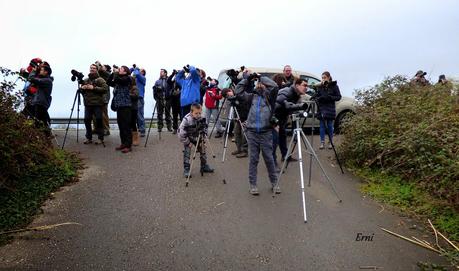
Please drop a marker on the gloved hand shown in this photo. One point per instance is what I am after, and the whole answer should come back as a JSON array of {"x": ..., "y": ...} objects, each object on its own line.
[{"x": 253, "y": 76}]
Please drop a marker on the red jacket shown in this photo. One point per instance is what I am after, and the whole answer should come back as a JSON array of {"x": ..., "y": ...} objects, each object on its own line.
[{"x": 212, "y": 98}]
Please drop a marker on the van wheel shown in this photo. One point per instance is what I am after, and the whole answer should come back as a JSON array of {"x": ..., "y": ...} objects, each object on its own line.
[{"x": 341, "y": 119}]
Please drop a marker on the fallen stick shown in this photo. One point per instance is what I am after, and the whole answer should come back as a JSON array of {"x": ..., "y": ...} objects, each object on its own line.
[
  {"x": 447, "y": 240},
  {"x": 40, "y": 228},
  {"x": 412, "y": 241}
]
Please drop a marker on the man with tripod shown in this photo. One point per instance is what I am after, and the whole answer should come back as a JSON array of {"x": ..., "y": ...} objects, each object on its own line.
[
  {"x": 261, "y": 91},
  {"x": 285, "y": 99},
  {"x": 161, "y": 93},
  {"x": 93, "y": 89}
]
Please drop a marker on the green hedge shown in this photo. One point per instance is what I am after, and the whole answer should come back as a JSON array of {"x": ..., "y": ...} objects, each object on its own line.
[{"x": 410, "y": 132}]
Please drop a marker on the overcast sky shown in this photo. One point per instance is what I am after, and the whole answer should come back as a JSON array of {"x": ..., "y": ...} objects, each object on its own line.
[{"x": 359, "y": 42}]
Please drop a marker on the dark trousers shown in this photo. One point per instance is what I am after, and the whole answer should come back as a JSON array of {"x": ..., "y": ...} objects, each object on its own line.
[
  {"x": 164, "y": 108},
  {"x": 283, "y": 139},
  {"x": 105, "y": 120},
  {"x": 261, "y": 142},
  {"x": 123, "y": 117},
  {"x": 42, "y": 120},
  {"x": 134, "y": 119},
  {"x": 175, "y": 106},
  {"x": 239, "y": 137},
  {"x": 95, "y": 111},
  {"x": 184, "y": 110}
]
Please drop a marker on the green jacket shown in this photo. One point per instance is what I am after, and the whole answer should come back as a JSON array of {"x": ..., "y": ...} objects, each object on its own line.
[{"x": 94, "y": 96}]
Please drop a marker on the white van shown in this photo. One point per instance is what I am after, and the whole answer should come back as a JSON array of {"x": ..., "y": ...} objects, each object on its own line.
[{"x": 344, "y": 107}]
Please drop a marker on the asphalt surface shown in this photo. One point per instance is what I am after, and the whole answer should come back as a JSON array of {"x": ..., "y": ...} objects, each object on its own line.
[{"x": 137, "y": 214}]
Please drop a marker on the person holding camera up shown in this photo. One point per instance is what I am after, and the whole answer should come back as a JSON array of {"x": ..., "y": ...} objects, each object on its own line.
[
  {"x": 41, "y": 100},
  {"x": 327, "y": 93},
  {"x": 286, "y": 102},
  {"x": 261, "y": 91},
  {"x": 191, "y": 127},
  {"x": 190, "y": 81},
  {"x": 134, "y": 93},
  {"x": 161, "y": 93},
  {"x": 93, "y": 89},
  {"x": 212, "y": 98},
  {"x": 174, "y": 100},
  {"x": 140, "y": 80},
  {"x": 104, "y": 72},
  {"x": 121, "y": 104}
]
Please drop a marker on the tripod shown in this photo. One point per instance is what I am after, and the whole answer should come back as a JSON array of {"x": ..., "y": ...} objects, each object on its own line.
[
  {"x": 233, "y": 110},
  {"x": 218, "y": 117},
  {"x": 301, "y": 138},
  {"x": 202, "y": 139},
  {"x": 77, "y": 98},
  {"x": 149, "y": 126}
]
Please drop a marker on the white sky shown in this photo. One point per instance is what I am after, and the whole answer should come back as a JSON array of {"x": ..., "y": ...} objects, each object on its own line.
[{"x": 359, "y": 42}]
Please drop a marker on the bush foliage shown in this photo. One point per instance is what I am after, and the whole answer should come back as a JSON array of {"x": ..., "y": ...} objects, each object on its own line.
[
  {"x": 408, "y": 131},
  {"x": 30, "y": 167}
]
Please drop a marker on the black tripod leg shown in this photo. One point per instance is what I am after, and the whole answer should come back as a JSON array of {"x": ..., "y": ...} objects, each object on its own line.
[
  {"x": 70, "y": 119},
  {"x": 217, "y": 118},
  {"x": 149, "y": 126},
  {"x": 333, "y": 145}
]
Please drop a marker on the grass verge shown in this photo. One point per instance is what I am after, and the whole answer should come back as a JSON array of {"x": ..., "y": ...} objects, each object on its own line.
[{"x": 18, "y": 206}]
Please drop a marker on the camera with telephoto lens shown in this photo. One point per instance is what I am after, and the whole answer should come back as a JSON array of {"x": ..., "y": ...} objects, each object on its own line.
[
  {"x": 194, "y": 130},
  {"x": 77, "y": 75}
]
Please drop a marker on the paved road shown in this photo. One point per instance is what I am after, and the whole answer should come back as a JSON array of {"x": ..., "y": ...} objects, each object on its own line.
[{"x": 137, "y": 215}]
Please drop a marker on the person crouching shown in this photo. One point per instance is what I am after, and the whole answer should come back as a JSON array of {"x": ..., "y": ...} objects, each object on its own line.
[{"x": 192, "y": 126}]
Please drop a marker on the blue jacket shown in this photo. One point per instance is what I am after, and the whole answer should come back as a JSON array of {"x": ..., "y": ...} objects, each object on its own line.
[
  {"x": 190, "y": 86},
  {"x": 140, "y": 81}
]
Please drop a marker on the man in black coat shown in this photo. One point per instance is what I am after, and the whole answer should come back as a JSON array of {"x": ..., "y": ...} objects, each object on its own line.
[{"x": 286, "y": 101}]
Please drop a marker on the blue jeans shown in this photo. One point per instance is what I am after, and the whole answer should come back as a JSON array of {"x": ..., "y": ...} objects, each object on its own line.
[
  {"x": 275, "y": 143},
  {"x": 329, "y": 124},
  {"x": 140, "y": 116}
]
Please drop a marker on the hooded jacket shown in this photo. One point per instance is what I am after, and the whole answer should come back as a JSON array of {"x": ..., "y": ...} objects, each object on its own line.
[
  {"x": 44, "y": 88},
  {"x": 140, "y": 81},
  {"x": 183, "y": 134},
  {"x": 190, "y": 86},
  {"x": 95, "y": 96},
  {"x": 212, "y": 97},
  {"x": 285, "y": 95},
  {"x": 262, "y": 104},
  {"x": 326, "y": 97},
  {"x": 121, "y": 91}
]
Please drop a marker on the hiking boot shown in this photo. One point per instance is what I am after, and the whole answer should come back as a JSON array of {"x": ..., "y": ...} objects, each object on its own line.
[
  {"x": 236, "y": 152},
  {"x": 135, "y": 138},
  {"x": 242, "y": 154},
  {"x": 276, "y": 189},
  {"x": 218, "y": 135},
  {"x": 322, "y": 145},
  {"x": 330, "y": 146},
  {"x": 120, "y": 147},
  {"x": 87, "y": 141},
  {"x": 254, "y": 190},
  {"x": 207, "y": 169},
  {"x": 186, "y": 173},
  {"x": 174, "y": 132},
  {"x": 169, "y": 129},
  {"x": 126, "y": 150}
]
